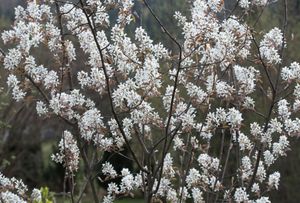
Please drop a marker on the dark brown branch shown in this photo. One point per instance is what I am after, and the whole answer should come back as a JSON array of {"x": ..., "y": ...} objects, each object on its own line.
[
  {"x": 161, "y": 164},
  {"x": 109, "y": 90},
  {"x": 264, "y": 65}
]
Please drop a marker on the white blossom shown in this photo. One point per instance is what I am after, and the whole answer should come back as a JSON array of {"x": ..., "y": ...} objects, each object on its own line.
[
  {"x": 291, "y": 73},
  {"x": 246, "y": 168},
  {"x": 255, "y": 129},
  {"x": 240, "y": 195},
  {"x": 244, "y": 4},
  {"x": 248, "y": 103},
  {"x": 196, "y": 92},
  {"x": 9, "y": 197},
  {"x": 263, "y": 200},
  {"x": 270, "y": 45},
  {"x": 193, "y": 177},
  {"x": 223, "y": 89},
  {"x": 197, "y": 195},
  {"x": 68, "y": 153},
  {"x": 247, "y": 78},
  {"x": 178, "y": 143},
  {"x": 273, "y": 180},
  {"x": 261, "y": 172},
  {"x": 255, "y": 188},
  {"x": 280, "y": 148},
  {"x": 283, "y": 109},
  {"x": 70, "y": 51},
  {"x": 244, "y": 142},
  {"x": 41, "y": 108},
  {"x": 36, "y": 195},
  {"x": 168, "y": 166},
  {"x": 108, "y": 199},
  {"x": 127, "y": 182},
  {"x": 126, "y": 95},
  {"x": 234, "y": 117},
  {"x": 12, "y": 59},
  {"x": 108, "y": 169},
  {"x": 91, "y": 124},
  {"x": 269, "y": 158}
]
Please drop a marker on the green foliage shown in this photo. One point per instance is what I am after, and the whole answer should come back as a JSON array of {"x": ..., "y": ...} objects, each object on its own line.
[{"x": 47, "y": 197}]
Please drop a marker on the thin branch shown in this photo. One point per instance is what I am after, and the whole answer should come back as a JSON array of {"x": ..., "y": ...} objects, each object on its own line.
[
  {"x": 165, "y": 30},
  {"x": 264, "y": 65},
  {"x": 109, "y": 90},
  {"x": 225, "y": 165}
]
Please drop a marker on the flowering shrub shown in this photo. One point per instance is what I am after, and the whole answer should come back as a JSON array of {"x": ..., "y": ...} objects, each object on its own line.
[
  {"x": 181, "y": 113},
  {"x": 13, "y": 190}
]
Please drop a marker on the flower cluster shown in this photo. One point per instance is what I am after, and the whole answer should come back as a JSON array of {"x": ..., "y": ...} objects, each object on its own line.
[
  {"x": 13, "y": 190},
  {"x": 68, "y": 153},
  {"x": 270, "y": 45}
]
